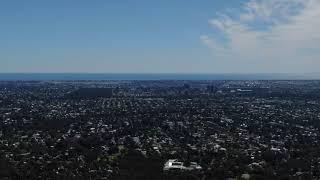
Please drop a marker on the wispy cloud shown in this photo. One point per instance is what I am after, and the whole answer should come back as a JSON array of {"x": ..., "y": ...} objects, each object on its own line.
[{"x": 276, "y": 35}]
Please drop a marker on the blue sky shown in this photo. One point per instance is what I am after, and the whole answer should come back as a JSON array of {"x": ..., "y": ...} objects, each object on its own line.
[{"x": 167, "y": 36}]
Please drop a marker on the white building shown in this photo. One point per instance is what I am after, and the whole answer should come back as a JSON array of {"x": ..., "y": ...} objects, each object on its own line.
[{"x": 174, "y": 164}]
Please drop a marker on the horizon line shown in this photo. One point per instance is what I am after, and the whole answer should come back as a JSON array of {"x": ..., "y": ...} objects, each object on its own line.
[{"x": 177, "y": 73}]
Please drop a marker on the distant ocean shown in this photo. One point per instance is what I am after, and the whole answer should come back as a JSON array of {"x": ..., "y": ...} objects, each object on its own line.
[{"x": 131, "y": 76}]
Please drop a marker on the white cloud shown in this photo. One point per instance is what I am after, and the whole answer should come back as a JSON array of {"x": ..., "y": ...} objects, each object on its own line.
[
  {"x": 219, "y": 50},
  {"x": 269, "y": 36}
]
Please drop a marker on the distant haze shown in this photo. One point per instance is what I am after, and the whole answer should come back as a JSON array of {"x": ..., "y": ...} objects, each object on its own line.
[{"x": 116, "y": 76}]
